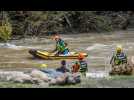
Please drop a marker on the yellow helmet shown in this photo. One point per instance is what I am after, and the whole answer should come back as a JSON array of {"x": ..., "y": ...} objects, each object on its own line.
[
  {"x": 119, "y": 48},
  {"x": 43, "y": 66}
]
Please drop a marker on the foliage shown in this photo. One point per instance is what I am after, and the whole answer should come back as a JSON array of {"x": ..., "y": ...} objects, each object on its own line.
[
  {"x": 38, "y": 23},
  {"x": 5, "y": 29}
]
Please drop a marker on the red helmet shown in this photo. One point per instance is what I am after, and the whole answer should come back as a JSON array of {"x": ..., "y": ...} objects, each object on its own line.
[{"x": 81, "y": 56}]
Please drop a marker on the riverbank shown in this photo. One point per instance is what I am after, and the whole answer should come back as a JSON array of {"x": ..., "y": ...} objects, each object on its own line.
[{"x": 113, "y": 82}]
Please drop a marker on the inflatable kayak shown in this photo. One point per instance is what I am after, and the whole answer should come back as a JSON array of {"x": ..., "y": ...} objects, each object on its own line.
[{"x": 46, "y": 55}]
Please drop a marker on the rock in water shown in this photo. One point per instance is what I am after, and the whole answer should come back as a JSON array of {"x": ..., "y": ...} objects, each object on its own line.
[
  {"x": 40, "y": 75},
  {"x": 15, "y": 76},
  {"x": 73, "y": 78},
  {"x": 53, "y": 82},
  {"x": 61, "y": 80},
  {"x": 123, "y": 69},
  {"x": 132, "y": 60}
]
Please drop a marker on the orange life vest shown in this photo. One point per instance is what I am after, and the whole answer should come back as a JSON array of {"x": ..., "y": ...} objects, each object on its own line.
[{"x": 75, "y": 68}]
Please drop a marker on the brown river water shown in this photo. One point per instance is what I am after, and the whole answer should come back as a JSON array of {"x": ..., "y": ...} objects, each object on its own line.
[{"x": 99, "y": 46}]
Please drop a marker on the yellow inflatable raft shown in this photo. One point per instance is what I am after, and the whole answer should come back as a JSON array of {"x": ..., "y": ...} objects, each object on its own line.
[{"x": 46, "y": 55}]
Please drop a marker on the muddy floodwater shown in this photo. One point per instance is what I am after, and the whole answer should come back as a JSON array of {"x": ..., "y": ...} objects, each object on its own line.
[{"x": 99, "y": 46}]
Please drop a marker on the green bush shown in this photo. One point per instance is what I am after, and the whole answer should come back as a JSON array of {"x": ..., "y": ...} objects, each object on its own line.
[
  {"x": 38, "y": 23},
  {"x": 87, "y": 21},
  {"x": 5, "y": 32}
]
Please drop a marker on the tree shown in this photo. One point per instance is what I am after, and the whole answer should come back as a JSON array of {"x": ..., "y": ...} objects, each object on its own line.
[{"x": 5, "y": 27}]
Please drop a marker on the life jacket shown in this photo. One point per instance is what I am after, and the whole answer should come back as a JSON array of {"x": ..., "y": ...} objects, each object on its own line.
[
  {"x": 83, "y": 66},
  {"x": 60, "y": 45},
  {"x": 120, "y": 58},
  {"x": 75, "y": 68}
]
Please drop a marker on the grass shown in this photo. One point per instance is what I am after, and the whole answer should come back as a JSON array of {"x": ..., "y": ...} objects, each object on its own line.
[
  {"x": 109, "y": 82},
  {"x": 112, "y": 82},
  {"x": 123, "y": 77},
  {"x": 14, "y": 85}
]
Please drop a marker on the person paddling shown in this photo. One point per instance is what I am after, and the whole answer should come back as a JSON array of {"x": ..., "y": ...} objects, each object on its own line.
[{"x": 61, "y": 46}]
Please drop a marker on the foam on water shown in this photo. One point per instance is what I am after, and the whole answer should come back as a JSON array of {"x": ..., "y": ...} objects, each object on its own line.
[
  {"x": 98, "y": 74},
  {"x": 96, "y": 57},
  {"x": 132, "y": 59},
  {"x": 96, "y": 46},
  {"x": 111, "y": 47},
  {"x": 12, "y": 46}
]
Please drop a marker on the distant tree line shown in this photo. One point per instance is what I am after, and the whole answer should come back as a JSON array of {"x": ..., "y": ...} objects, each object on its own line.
[{"x": 39, "y": 23}]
